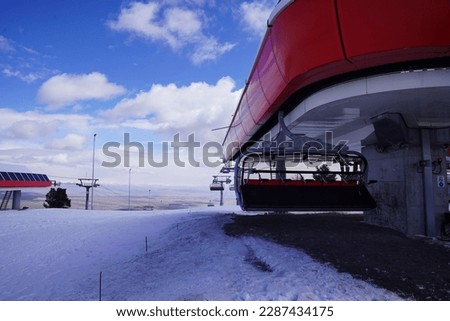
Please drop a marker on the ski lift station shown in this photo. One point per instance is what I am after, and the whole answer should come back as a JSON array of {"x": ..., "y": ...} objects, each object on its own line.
[
  {"x": 347, "y": 107},
  {"x": 14, "y": 179}
]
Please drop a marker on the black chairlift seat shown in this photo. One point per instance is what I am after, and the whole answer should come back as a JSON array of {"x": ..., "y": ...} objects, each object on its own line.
[
  {"x": 278, "y": 195},
  {"x": 218, "y": 181},
  {"x": 265, "y": 186},
  {"x": 215, "y": 186}
]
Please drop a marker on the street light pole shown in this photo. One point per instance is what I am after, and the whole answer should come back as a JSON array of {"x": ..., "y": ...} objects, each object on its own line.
[
  {"x": 93, "y": 166},
  {"x": 149, "y": 197},
  {"x": 129, "y": 189}
]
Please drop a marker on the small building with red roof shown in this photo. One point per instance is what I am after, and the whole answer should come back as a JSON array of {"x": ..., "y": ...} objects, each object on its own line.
[{"x": 14, "y": 179}]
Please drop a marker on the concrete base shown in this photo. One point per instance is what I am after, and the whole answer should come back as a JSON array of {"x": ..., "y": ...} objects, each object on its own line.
[{"x": 400, "y": 191}]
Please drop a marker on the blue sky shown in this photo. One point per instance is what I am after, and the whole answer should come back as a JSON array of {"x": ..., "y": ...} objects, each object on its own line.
[{"x": 151, "y": 69}]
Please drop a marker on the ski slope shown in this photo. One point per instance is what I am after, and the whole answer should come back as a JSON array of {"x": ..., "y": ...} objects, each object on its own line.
[{"x": 52, "y": 254}]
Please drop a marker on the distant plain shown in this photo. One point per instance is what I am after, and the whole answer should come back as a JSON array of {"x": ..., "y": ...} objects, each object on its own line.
[{"x": 139, "y": 198}]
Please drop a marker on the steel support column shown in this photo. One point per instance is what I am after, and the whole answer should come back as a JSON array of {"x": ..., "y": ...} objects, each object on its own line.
[{"x": 17, "y": 195}]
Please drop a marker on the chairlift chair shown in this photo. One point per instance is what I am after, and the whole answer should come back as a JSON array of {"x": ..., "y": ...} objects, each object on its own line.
[
  {"x": 216, "y": 186},
  {"x": 293, "y": 180}
]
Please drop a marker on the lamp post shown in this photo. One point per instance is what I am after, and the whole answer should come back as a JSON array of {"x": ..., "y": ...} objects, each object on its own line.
[
  {"x": 93, "y": 166},
  {"x": 129, "y": 189},
  {"x": 149, "y": 198}
]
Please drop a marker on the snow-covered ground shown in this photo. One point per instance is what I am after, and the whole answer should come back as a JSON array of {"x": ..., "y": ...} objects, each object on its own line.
[{"x": 59, "y": 254}]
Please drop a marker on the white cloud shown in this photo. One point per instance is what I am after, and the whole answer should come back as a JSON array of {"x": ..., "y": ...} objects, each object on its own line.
[
  {"x": 196, "y": 108},
  {"x": 60, "y": 158},
  {"x": 23, "y": 63},
  {"x": 183, "y": 23},
  {"x": 140, "y": 18},
  {"x": 5, "y": 45},
  {"x": 29, "y": 129},
  {"x": 35, "y": 125},
  {"x": 178, "y": 27},
  {"x": 209, "y": 50},
  {"x": 66, "y": 89},
  {"x": 28, "y": 78},
  {"x": 69, "y": 142},
  {"x": 255, "y": 15}
]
